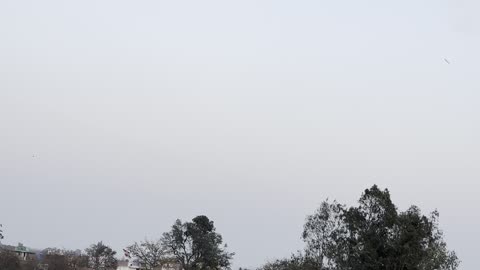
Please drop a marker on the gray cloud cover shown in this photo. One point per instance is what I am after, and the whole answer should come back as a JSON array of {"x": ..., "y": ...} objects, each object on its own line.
[{"x": 117, "y": 117}]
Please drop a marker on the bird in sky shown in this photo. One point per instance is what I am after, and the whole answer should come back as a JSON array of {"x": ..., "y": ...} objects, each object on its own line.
[{"x": 446, "y": 61}]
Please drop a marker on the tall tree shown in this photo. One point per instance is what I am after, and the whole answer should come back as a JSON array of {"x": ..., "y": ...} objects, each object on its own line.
[
  {"x": 375, "y": 236},
  {"x": 319, "y": 233},
  {"x": 370, "y": 228},
  {"x": 101, "y": 257},
  {"x": 150, "y": 254},
  {"x": 196, "y": 245},
  {"x": 1, "y": 232}
]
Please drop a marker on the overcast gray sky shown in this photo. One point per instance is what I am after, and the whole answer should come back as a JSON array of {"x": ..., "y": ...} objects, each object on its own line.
[{"x": 117, "y": 117}]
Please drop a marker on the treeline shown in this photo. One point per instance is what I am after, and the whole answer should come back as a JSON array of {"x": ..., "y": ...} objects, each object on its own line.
[
  {"x": 373, "y": 235},
  {"x": 188, "y": 245}
]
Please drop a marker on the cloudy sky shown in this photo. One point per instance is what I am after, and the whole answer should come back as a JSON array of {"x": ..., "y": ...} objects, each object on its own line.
[{"x": 118, "y": 117}]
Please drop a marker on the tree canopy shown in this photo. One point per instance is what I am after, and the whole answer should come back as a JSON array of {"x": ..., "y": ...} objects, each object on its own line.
[
  {"x": 375, "y": 236},
  {"x": 150, "y": 254},
  {"x": 101, "y": 257},
  {"x": 196, "y": 245}
]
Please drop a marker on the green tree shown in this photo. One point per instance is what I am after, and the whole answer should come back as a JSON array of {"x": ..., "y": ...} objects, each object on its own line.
[
  {"x": 319, "y": 233},
  {"x": 196, "y": 245},
  {"x": 375, "y": 236},
  {"x": 370, "y": 227},
  {"x": 101, "y": 257},
  {"x": 150, "y": 254}
]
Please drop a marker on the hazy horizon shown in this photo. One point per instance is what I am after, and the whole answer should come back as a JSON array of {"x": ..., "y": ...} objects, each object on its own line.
[{"x": 118, "y": 117}]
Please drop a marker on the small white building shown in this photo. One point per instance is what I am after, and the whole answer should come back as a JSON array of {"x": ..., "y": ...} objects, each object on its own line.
[{"x": 129, "y": 265}]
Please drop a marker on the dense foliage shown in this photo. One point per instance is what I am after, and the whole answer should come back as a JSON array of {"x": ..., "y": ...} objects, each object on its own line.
[
  {"x": 196, "y": 245},
  {"x": 375, "y": 236},
  {"x": 101, "y": 257}
]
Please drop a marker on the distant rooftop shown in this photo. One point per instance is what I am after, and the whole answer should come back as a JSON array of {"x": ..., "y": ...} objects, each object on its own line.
[{"x": 19, "y": 248}]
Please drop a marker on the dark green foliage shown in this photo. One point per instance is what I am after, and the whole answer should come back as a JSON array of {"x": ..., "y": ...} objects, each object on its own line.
[
  {"x": 9, "y": 260},
  {"x": 101, "y": 257},
  {"x": 196, "y": 245},
  {"x": 375, "y": 236},
  {"x": 370, "y": 227}
]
